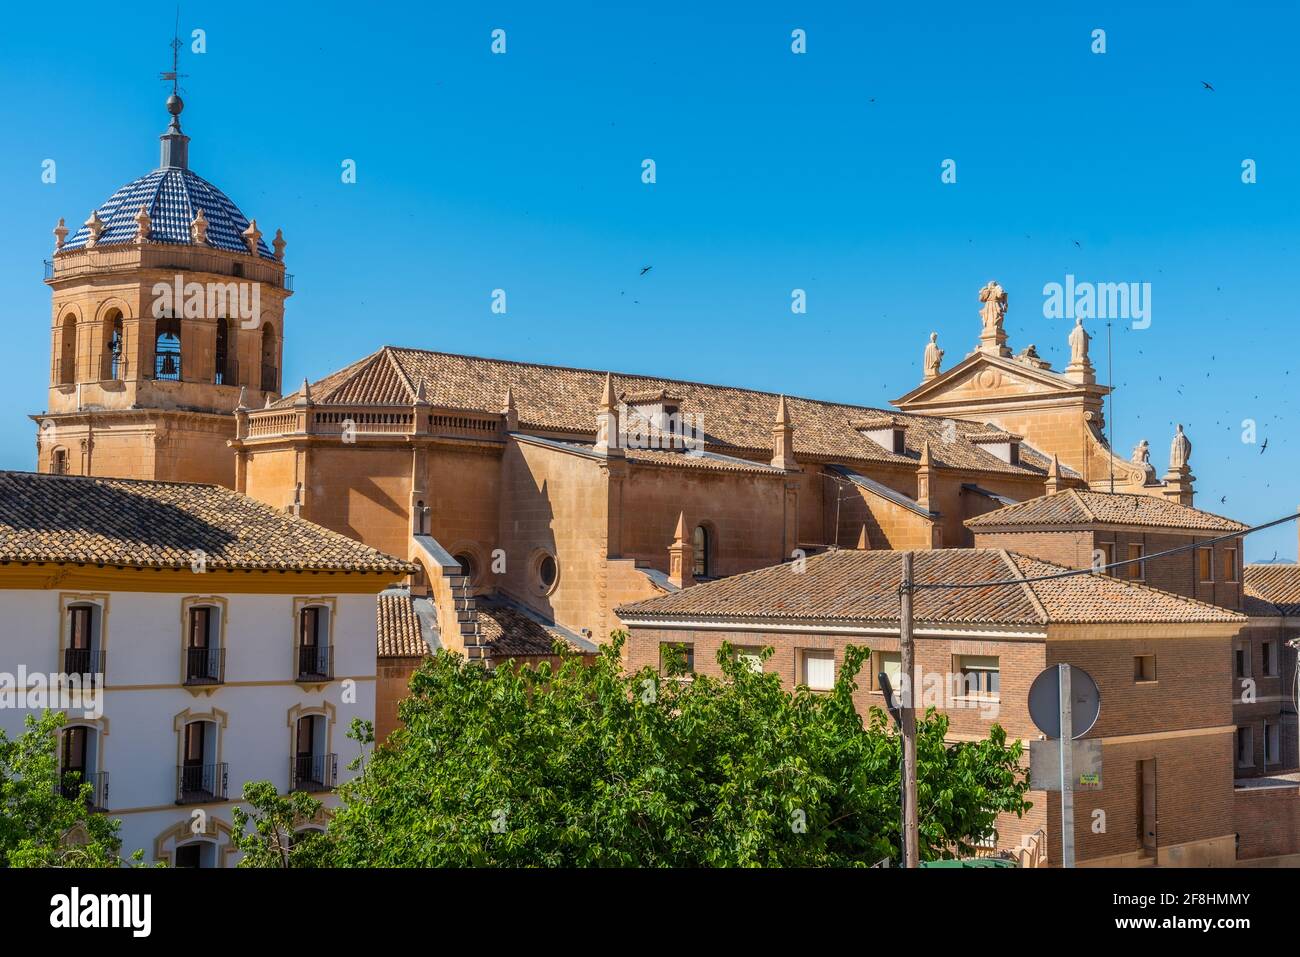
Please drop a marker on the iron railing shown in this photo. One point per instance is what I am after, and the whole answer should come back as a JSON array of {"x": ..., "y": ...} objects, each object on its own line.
[
  {"x": 71, "y": 780},
  {"x": 198, "y": 783},
  {"x": 313, "y": 772},
  {"x": 205, "y": 666},
  {"x": 88, "y": 663},
  {"x": 315, "y": 662}
]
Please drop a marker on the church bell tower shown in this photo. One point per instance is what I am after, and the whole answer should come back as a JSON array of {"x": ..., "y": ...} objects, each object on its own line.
[{"x": 167, "y": 314}]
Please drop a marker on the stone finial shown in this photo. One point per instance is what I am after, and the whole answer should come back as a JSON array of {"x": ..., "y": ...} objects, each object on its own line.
[
  {"x": 278, "y": 245},
  {"x": 681, "y": 556},
  {"x": 242, "y": 404},
  {"x": 924, "y": 476},
  {"x": 267, "y": 404},
  {"x": 1054, "y": 481},
  {"x": 1080, "y": 368},
  {"x": 252, "y": 236},
  {"x": 143, "y": 224},
  {"x": 304, "y": 394},
  {"x": 96, "y": 227},
  {"x": 509, "y": 410},
  {"x": 1179, "y": 479},
  {"x": 60, "y": 235},
  {"x": 993, "y": 339},
  {"x": 933, "y": 357},
  {"x": 608, "y": 440},
  {"x": 421, "y": 397},
  {"x": 199, "y": 228},
  {"x": 864, "y": 543},
  {"x": 783, "y": 439}
]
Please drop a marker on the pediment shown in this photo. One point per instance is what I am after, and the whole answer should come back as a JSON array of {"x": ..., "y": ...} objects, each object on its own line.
[{"x": 981, "y": 376}]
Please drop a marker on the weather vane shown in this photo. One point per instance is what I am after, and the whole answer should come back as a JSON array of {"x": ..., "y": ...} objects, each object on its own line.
[{"x": 172, "y": 75}]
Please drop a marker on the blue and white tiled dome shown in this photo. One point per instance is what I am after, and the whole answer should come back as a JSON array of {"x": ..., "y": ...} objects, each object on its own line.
[{"x": 171, "y": 196}]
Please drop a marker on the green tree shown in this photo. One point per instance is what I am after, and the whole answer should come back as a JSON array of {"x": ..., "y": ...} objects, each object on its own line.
[
  {"x": 583, "y": 765},
  {"x": 39, "y": 826}
]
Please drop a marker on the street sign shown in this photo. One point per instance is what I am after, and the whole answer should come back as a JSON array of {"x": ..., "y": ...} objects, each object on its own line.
[
  {"x": 1045, "y": 701},
  {"x": 1045, "y": 765}
]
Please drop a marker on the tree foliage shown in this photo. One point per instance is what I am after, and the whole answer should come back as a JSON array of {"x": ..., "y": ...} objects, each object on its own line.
[
  {"x": 587, "y": 765},
  {"x": 39, "y": 826}
]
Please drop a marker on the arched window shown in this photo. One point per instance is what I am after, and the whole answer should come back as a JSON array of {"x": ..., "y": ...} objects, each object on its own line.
[
  {"x": 79, "y": 765},
  {"x": 201, "y": 777},
  {"x": 59, "y": 462},
  {"x": 468, "y": 567},
  {"x": 167, "y": 350},
  {"x": 223, "y": 374},
  {"x": 270, "y": 360},
  {"x": 67, "y": 369},
  {"x": 700, "y": 543},
  {"x": 113, "y": 361}
]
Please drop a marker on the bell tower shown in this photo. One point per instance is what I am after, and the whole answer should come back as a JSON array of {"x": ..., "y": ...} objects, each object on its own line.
[{"x": 167, "y": 314}]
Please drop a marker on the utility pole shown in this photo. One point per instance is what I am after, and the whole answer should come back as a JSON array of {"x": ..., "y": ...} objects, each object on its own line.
[{"x": 907, "y": 715}]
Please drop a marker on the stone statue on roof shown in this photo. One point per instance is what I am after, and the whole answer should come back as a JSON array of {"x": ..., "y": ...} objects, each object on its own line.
[
  {"x": 1180, "y": 450},
  {"x": 1079, "y": 344},
  {"x": 1142, "y": 456},
  {"x": 933, "y": 356},
  {"x": 994, "y": 298}
]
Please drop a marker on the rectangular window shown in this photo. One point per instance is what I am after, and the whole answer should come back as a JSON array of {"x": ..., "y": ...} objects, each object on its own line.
[
  {"x": 979, "y": 674},
  {"x": 1136, "y": 571},
  {"x": 751, "y": 656},
  {"x": 674, "y": 654},
  {"x": 1245, "y": 748},
  {"x": 79, "y": 633},
  {"x": 1229, "y": 564},
  {"x": 1268, "y": 664},
  {"x": 819, "y": 670},
  {"x": 891, "y": 663},
  {"x": 1144, "y": 667},
  {"x": 1272, "y": 743},
  {"x": 1205, "y": 564},
  {"x": 1241, "y": 660},
  {"x": 200, "y": 624},
  {"x": 1107, "y": 550}
]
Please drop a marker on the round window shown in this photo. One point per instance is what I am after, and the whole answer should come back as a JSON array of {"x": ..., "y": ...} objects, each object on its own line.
[
  {"x": 467, "y": 566},
  {"x": 547, "y": 572}
]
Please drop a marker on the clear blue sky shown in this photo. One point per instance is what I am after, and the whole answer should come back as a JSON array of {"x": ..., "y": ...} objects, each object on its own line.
[{"x": 775, "y": 171}]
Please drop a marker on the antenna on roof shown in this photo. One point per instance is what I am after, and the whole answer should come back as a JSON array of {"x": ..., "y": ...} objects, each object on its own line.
[{"x": 172, "y": 75}]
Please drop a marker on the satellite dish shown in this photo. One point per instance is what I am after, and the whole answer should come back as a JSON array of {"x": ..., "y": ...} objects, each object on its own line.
[{"x": 1045, "y": 701}]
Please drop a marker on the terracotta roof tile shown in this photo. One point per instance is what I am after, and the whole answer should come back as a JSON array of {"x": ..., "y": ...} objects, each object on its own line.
[
  {"x": 102, "y": 521},
  {"x": 397, "y": 632},
  {"x": 514, "y": 633},
  {"x": 851, "y": 585},
  {"x": 562, "y": 399},
  {"x": 1275, "y": 588},
  {"x": 1084, "y": 507}
]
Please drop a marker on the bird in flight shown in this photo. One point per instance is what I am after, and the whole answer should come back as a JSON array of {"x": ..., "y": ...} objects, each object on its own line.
[
  {"x": 1263, "y": 447},
  {"x": 1207, "y": 86},
  {"x": 646, "y": 269}
]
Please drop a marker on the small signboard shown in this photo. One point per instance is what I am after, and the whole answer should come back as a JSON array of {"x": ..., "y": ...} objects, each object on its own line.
[{"x": 1045, "y": 765}]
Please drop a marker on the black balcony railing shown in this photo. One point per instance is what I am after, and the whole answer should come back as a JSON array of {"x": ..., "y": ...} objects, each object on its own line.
[
  {"x": 71, "y": 780},
  {"x": 315, "y": 662},
  {"x": 49, "y": 269},
  {"x": 86, "y": 662},
  {"x": 197, "y": 783},
  {"x": 313, "y": 772},
  {"x": 205, "y": 666}
]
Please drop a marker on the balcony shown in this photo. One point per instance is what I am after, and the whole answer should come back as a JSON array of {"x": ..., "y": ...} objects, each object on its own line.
[
  {"x": 205, "y": 666},
  {"x": 315, "y": 663},
  {"x": 313, "y": 772},
  {"x": 71, "y": 781},
  {"x": 200, "y": 783},
  {"x": 86, "y": 662}
]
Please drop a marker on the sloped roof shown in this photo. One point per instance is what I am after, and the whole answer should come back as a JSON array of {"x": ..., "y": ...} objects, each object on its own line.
[
  {"x": 1083, "y": 507},
  {"x": 171, "y": 196},
  {"x": 1275, "y": 587},
  {"x": 862, "y": 586},
  {"x": 397, "y": 626},
  {"x": 513, "y": 632},
  {"x": 562, "y": 399},
  {"x": 138, "y": 524}
]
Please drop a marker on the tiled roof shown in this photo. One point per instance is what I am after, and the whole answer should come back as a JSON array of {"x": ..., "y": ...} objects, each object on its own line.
[
  {"x": 1083, "y": 507},
  {"x": 862, "y": 586},
  {"x": 561, "y": 399},
  {"x": 1275, "y": 586},
  {"x": 103, "y": 521},
  {"x": 171, "y": 196},
  {"x": 397, "y": 631},
  {"x": 513, "y": 632}
]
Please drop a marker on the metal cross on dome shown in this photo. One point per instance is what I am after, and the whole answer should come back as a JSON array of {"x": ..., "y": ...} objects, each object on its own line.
[{"x": 172, "y": 75}]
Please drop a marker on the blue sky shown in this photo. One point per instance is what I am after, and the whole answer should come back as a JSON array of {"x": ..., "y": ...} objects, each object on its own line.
[{"x": 774, "y": 172}]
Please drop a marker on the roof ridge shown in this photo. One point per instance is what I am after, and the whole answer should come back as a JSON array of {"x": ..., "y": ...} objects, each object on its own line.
[
  {"x": 1027, "y": 587},
  {"x": 1092, "y": 516},
  {"x": 401, "y": 373}
]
